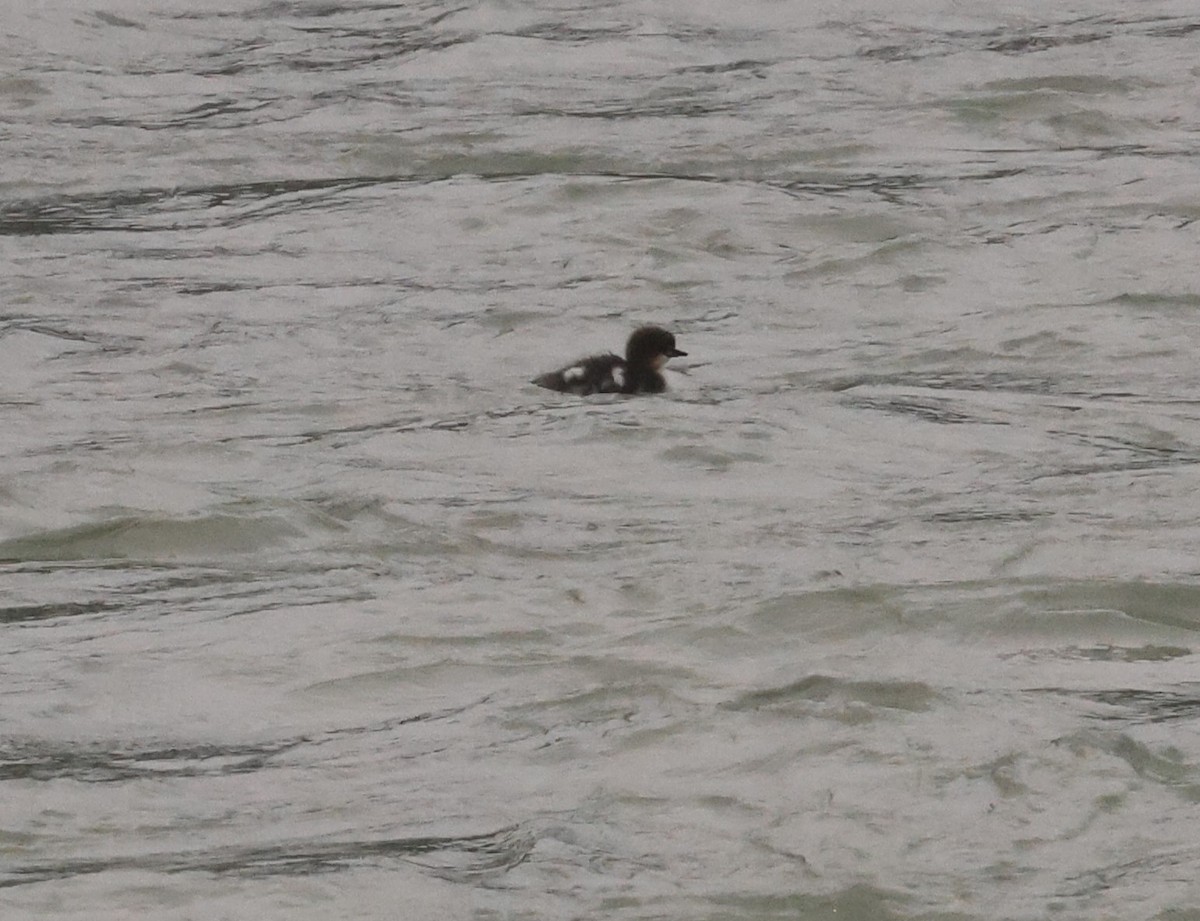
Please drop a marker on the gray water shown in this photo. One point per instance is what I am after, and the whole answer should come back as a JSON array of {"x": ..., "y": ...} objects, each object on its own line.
[{"x": 313, "y": 607}]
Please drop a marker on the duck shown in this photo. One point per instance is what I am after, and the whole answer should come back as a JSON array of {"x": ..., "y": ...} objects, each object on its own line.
[{"x": 646, "y": 353}]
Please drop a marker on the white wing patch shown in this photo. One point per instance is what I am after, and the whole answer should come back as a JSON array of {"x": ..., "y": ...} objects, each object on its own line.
[
  {"x": 572, "y": 374},
  {"x": 618, "y": 376}
]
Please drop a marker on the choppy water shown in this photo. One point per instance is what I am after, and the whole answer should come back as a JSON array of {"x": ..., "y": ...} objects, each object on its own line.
[{"x": 313, "y": 608}]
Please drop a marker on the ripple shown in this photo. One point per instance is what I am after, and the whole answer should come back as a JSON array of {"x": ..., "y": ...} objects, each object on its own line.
[
  {"x": 461, "y": 858},
  {"x": 822, "y": 689}
]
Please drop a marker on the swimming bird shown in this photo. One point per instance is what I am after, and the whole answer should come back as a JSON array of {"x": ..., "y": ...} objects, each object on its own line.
[{"x": 647, "y": 351}]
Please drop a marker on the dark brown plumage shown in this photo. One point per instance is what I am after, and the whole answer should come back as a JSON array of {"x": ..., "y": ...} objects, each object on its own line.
[{"x": 648, "y": 349}]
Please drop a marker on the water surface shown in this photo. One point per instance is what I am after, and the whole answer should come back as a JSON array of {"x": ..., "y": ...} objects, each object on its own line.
[{"x": 314, "y": 608}]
